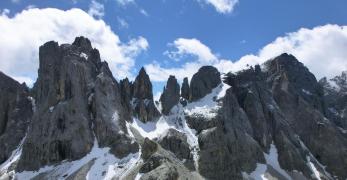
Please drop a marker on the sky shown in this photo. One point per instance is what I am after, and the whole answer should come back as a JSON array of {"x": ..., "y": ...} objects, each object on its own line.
[{"x": 177, "y": 37}]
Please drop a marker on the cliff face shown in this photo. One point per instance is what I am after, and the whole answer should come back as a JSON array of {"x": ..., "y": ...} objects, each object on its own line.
[
  {"x": 15, "y": 114},
  {"x": 274, "y": 121},
  {"x": 77, "y": 102}
]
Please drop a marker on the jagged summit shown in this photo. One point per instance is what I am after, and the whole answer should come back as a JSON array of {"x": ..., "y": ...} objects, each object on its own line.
[
  {"x": 142, "y": 98},
  {"x": 273, "y": 121},
  {"x": 143, "y": 85},
  {"x": 170, "y": 95},
  {"x": 83, "y": 43}
]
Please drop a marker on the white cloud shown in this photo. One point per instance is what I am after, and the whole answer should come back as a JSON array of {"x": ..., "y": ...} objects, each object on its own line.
[
  {"x": 191, "y": 47},
  {"x": 222, "y": 6},
  {"x": 4, "y": 12},
  {"x": 322, "y": 49},
  {"x": 21, "y": 36},
  {"x": 125, "y": 2},
  {"x": 122, "y": 23},
  {"x": 96, "y": 9},
  {"x": 144, "y": 12}
]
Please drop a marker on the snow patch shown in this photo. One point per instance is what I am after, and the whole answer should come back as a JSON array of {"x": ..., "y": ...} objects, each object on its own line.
[
  {"x": 257, "y": 174},
  {"x": 115, "y": 118},
  {"x": 313, "y": 168},
  {"x": 33, "y": 103},
  {"x": 151, "y": 129},
  {"x": 15, "y": 155},
  {"x": 344, "y": 131},
  {"x": 84, "y": 55},
  {"x": 51, "y": 109},
  {"x": 307, "y": 92},
  {"x": 138, "y": 176},
  {"x": 208, "y": 105},
  {"x": 309, "y": 159},
  {"x": 106, "y": 165},
  {"x": 272, "y": 160}
]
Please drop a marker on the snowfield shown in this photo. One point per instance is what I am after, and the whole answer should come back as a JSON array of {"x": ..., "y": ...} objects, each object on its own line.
[
  {"x": 104, "y": 165},
  {"x": 261, "y": 169}
]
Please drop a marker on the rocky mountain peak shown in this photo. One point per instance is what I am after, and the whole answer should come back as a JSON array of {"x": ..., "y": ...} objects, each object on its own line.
[
  {"x": 83, "y": 43},
  {"x": 142, "y": 102},
  {"x": 171, "y": 95},
  {"x": 76, "y": 98},
  {"x": 185, "y": 89},
  {"x": 143, "y": 86},
  {"x": 202, "y": 82},
  {"x": 296, "y": 78},
  {"x": 272, "y": 122}
]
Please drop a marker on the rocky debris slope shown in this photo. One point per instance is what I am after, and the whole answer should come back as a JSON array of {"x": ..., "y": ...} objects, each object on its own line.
[
  {"x": 16, "y": 110},
  {"x": 157, "y": 162},
  {"x": 77, "y": 100}
]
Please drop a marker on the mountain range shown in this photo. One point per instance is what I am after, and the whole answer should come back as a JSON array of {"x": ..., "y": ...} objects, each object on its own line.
[{"x": 270, "y": 121}]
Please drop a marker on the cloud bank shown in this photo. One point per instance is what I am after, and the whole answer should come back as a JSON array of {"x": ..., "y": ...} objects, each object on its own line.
[
  {"x": 322, "y": 49},
  {"x": 21, "y": 36}
]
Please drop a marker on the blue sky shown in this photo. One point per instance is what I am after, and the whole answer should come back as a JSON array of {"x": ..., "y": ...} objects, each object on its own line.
[{"x": 230, "y": 34}]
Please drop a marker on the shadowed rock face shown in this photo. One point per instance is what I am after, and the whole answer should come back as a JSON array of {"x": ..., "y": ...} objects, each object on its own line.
[
  {"x": 264, "y": 108},
  {"x": 76, "y": 97},
  {"x": 185, "y": 89},
  {"x": 143, "y": 86},
  {"x": 142, "y": 98},
  {"x": 170, "y": 96},
  {"x": 15, "y": 115},
  {"x": 305, "y": 113},
  {"x": 335, "y": 99},
  {"x": 202, "y": 83}
]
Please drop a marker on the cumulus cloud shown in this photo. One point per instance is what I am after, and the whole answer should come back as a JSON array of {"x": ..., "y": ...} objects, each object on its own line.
[
  {"x": 96, "y": 9},
  {"x": 191, "y": 47},
  {"x": 322, "y": 49},
  {"x": 222, "y": 6},
  {"x": 21, "y": 36}
]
